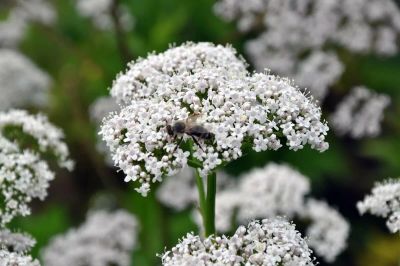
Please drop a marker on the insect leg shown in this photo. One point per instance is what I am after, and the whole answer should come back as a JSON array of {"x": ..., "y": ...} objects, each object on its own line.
[
  {"x": 177, "y": 145},
  {"x": 197, "y": 143}
]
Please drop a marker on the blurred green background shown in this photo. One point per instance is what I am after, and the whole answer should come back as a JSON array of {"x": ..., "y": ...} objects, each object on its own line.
[{"x": 83, "y": 62}]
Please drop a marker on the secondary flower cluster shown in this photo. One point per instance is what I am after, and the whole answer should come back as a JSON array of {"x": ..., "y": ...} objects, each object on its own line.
[
  {"x": 106, "y": 238},
  {"x": 270, "y": 191},
  {"x": 13, "y": 29},
  {"x": 99, "y": 11},
  {"x": 360, "y": 114},
  {"x": 280, "y": 190},
  {"x": 299, "y": 38},
  {"x": 8, "y": 258},
  {"x": 101, "y": 108},
  {"x": 14, "y": 247},
  {"x": 266, "y": 242},
  {"x": 384, "y": 202},
  {"x": 328, "y": 232},
  {"x": 263, "y": 193},
  {"x": 179, "y": 191},
  {"x": 16, "y": 242},
  {"x": 211, "y": 85},
  {"x": 24, "y": 175},
  {"x": 31, "y": 90},
  {"x": 36, "y": 10},
  {"x": 98, "y": 111}
]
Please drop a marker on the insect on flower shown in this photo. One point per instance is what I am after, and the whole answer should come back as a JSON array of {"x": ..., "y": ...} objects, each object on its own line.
[{"x": 191, "y": 128}]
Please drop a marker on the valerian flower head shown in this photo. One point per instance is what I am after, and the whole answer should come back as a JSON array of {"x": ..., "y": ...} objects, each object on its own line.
[
  {"x": 40, "y": 11},
  {"x": 299, "y": 38},
  {"x": 179, "y": 191},
  {"x": 102, "y": 107},
  {"x": 22, "y": 83},
  {"x": 328, "y": 232},
  {"x": 280, "y": 190},
  {"x": 99, "y": 11},
  {"x": 384, "y": 201},
  {"x": 8, "y": 258},
  {"x": 13, "y": 28},
  {"x": 99, "y": 110},
  {"x": 318, "y": 72},
  {"x": 267, "y": 242},
  {"x": 360, "y": 114},
  {"x": 209, "y": 86},
  {"x": 48, "y": 137},
  {"x": 106, "y": 238},
  {"x": 352, "y": 24},
  {"x": 270, "y": 191},
  {"x": 261, "y": 193},
  {"x": 24, "y": 174},
  {"x": 180, "y": 72},
  {"x": 16, "y": 242}
]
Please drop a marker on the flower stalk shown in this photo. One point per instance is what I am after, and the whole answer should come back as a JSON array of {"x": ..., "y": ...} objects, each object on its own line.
[
  {"x": 206, "y": 200},
  {"x": 202, "y": 193},
  {"x": 209, "y": 211}
]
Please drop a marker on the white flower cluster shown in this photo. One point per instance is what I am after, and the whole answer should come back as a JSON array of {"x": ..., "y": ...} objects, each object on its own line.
[
  {"x": 16, "y": 242},
  {"x": 14, "y": 248},
  {"x": 106, "y": 238},
  {"x": 101, "y": 108},
  {"x": 384, "y": 202},
  {"x": 209, "y": 83},
  {"x": 36, "y": 10},
  {"x": 270, "y": 191},
  {"x": 49, "y": 138},
  {"x": 8, "y": 258},
  {"x": 268, "y": 242},
  {"x": 318, "y": 71},
  {"x": 98, "y": 111},
  {"x": 360, "y": 113},
  {"x": 99, "y": 11},
  {"x": 265, "y": 192},
  {"x": 180, "y": 72},
  {"x": 279, "y": 190},
  {"x": 22, "y": 83},
  {"x": 24, "y": 175},
  {"x": 12, "y": 29},
  {"x": 298, "y": 35},
  {"x": 179, "y": 191},
  {"x": 328, "y": 232}
]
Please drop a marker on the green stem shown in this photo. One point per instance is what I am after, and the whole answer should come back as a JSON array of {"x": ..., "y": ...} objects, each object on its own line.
[
  {"x": 123, "y": 47},
  {"x": 202, "y": 193},
  {"x": 206, "y": 201},
  {"x": 209, "y": 224}
]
